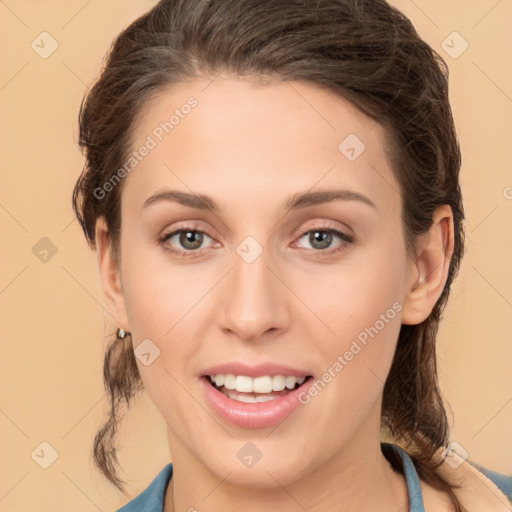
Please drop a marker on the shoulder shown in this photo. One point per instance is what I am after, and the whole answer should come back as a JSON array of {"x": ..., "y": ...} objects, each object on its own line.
[
  {"x": 151, "y": 499},
  {"x": 475, "y": 490}
]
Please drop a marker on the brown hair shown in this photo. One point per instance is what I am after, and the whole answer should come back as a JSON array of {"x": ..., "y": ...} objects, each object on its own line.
[{"x": 364, "y": 50}]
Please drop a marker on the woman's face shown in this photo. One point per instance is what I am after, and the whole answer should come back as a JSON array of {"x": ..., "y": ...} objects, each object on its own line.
[{"x": 268, "y": 290}]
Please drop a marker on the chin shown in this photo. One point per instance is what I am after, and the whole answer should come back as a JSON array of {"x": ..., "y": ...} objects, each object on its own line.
[{"x": 264, "y": 476}]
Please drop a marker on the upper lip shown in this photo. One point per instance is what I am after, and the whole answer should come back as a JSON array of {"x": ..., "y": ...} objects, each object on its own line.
[{"x": 254, "y": 370}]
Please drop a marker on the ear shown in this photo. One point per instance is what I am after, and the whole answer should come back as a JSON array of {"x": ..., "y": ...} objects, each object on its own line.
[
  {"x": 110, "y": 276},
  {"x": 430, "y": 270}
]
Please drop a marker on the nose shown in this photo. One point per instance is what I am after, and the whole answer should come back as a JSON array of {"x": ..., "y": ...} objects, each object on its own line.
[{"x": 254, "y": 300}]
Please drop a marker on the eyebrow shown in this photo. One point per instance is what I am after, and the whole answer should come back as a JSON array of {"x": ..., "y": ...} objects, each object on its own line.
[{"x": 295, "y": 202}]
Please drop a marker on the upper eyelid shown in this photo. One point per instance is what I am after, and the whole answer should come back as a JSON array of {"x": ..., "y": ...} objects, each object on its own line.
[{"x": 323, "y": 225}]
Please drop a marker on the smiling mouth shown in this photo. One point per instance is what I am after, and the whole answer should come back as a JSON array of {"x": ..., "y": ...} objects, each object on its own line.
[{"x": 254, "y": 390}]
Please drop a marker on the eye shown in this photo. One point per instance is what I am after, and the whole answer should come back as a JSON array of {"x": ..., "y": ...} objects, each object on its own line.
[
  {"x": 321, "y": 238},
  {"x": 190, "y": 238}
]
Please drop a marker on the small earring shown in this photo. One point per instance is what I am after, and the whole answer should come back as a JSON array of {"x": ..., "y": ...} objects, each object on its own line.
[{"x": 121, "y": 333}]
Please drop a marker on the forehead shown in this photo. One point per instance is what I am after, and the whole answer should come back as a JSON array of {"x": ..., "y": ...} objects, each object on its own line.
[{"x": 238, "y": 137}]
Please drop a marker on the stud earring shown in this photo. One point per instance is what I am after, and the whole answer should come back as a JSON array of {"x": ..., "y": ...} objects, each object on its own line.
[{"x": 121, "y": 333}]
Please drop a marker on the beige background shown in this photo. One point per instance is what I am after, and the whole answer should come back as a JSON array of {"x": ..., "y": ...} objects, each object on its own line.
[{"x": 52, "y": 312}]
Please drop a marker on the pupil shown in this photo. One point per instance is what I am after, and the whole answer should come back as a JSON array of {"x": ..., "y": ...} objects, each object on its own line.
[
  {"x": 191, "y": 237},
  {"x": 324, "y": 238}
]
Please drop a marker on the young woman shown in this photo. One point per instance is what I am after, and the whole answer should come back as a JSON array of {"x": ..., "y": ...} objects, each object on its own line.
[{"x": 272, "y": 191}]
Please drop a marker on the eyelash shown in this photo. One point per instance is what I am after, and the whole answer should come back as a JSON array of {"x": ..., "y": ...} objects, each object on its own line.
[{"x": 347, "y": 239}]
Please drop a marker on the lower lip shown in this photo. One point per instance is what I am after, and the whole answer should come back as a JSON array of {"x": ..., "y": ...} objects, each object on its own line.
[{"x": 258, "y": 415}]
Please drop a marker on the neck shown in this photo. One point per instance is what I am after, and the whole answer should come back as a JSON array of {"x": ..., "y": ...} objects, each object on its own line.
[{"x": 358, "y": 477}]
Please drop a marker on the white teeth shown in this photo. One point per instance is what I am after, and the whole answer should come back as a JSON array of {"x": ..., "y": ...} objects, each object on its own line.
[
  {"x": 229, "y": 381},
  {"x": 290, "y": 382},
  {"x": 244, "y": 384},
  {"x": 263, "y": 398},
  {"x": 263, "y": 384},
  {"x": 278, "y": 382},
  {"x": 248, "y": 399}
]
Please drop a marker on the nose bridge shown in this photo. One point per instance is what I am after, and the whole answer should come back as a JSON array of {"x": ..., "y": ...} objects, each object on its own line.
[{"x": 254, "y": 301}]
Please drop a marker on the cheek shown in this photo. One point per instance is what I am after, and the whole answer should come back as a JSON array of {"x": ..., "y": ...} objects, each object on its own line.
[
  {"x": 356, "y": 361},
  {"x": 361, "y": 306},
  {"x": 158, "y": 293},
  {"x": 163, "y": 309},
  {"x": 160, "y": 304},
  {"x": 351, "y": 298}
]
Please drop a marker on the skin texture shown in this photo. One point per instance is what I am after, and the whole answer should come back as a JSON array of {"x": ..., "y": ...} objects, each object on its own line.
[{"x": 250, "y": 146}]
